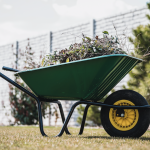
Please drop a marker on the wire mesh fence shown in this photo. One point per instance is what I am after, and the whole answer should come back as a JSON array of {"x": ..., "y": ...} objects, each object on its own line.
[
  {"x": 55, "y": 41},
  {"x": 6, "y": 59},
  {"x": 64, "y": 38},
  {"x": 39, "y": 45},
  {"x": 122, "y": 25}
]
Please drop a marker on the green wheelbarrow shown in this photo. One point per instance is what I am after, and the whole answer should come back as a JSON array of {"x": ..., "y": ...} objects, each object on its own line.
[{"x": 124, "y": 113}]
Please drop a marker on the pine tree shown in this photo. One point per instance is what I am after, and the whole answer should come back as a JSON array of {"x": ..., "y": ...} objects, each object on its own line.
[{"x": 140, "y": 75}]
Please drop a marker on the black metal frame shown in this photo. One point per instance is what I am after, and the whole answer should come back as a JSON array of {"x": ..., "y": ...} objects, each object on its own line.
[
  {"x": 83, "y": 119},
  {"x": 65, "y": 121},
  {"x": 38, "y": 100}
]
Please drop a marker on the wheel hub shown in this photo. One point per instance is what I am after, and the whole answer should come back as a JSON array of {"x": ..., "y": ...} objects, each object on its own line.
[
  {"x": 120, "y": 113},
  {"x": 123, "y": 119}
]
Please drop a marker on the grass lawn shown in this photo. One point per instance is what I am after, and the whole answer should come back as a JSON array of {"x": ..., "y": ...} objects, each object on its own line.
[{"x": 28, "y": 138}]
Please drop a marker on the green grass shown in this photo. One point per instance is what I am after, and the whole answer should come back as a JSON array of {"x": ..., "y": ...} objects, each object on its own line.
[{"x": 29, "y": 138}]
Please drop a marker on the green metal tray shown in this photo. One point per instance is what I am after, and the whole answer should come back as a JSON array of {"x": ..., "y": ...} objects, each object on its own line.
[{"x": 87, "y": 79}]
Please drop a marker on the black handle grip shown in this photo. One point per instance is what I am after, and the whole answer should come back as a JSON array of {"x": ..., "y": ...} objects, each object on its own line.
[{"x": 10, "y": 69}]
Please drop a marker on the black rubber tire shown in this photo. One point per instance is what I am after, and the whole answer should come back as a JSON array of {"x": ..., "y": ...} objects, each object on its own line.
[{"x": 144, "y": 114}]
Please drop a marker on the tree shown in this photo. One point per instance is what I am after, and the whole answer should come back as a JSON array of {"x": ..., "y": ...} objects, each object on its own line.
[
  {"x": 23, "y": 107},
  {"x": 140, "y": 75},
  {"x": 92, "y": 115}
]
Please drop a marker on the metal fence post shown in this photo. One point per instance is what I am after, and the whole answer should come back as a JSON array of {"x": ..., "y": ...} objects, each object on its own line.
[
  {"x": 51, "y": 40},
  {"x": 17, "y": 49},
  {"x": 92, "y": 28}
]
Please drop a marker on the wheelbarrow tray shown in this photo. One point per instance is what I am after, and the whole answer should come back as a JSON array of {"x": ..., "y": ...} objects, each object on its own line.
[{"x": 87, "y": 79}]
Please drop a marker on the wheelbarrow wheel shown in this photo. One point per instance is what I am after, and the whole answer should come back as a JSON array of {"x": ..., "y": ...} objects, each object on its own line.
[{"x": 125, "y": 122}]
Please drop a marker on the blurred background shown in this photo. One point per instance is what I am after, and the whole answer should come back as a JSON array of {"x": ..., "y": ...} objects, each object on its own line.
[{"x": 46, "y": 26}]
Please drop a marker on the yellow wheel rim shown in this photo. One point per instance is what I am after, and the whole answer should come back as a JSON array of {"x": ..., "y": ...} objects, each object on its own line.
[{"x": 129, "y": 119}]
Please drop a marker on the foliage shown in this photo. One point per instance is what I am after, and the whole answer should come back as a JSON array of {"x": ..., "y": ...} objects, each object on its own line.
[
  {"x": 23, "y": 107},
  {"x": 92, "y": 115},
  {"x": 86, "y": 49},
  {"x": 140, "y": 75}
]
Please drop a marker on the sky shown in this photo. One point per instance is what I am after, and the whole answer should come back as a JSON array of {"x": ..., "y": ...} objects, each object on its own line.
[{"x": 22, "y": 19}]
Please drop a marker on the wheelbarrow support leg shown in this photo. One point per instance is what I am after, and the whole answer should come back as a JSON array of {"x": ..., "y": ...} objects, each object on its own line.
[
  {"x": 62, "y": 115},
  {"x": 30, "y": 94},
  {"x": 40, "y": 119},
  {"x": 83, "y": 119},
  {"x": 68, "y": 118}
]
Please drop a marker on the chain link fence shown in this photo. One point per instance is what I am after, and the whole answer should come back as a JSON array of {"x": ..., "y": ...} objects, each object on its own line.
[{"x": 55, "y": 41}]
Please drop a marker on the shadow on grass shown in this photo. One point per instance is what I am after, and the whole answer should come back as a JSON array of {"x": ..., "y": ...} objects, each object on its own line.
[{"x": 109, "y": 137}]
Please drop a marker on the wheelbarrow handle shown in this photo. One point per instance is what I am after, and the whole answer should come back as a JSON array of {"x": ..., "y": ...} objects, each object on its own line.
[{"x": 10, "y": 69}]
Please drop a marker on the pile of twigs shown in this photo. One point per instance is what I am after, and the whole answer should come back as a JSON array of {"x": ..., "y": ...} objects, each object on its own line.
[{"x": 86, "y": 49}]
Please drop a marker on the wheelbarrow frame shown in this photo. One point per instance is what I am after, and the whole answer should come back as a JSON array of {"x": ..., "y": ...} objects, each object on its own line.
[{"x": 65, "y": 121}]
